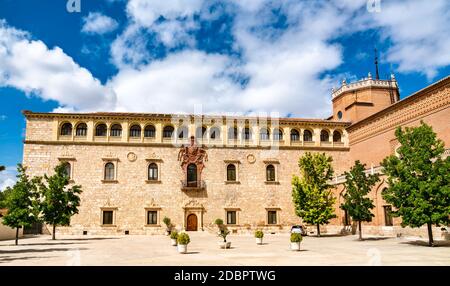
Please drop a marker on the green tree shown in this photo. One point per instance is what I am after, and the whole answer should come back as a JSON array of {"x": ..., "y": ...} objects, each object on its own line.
[
  {"x": 311, "y": 194},
  {"x": 419, "y": 179},
  {"x": 358, "y": 185},
  {"x": 60, "y": 201},
  {"x": 21, "y": 202}
]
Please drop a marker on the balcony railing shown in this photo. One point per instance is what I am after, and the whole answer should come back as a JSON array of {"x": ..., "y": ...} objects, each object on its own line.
[{"x": 193, "y": 185}]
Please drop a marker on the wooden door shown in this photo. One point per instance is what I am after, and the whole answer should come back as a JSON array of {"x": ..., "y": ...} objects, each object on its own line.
[{"x": 191, "y": 224}]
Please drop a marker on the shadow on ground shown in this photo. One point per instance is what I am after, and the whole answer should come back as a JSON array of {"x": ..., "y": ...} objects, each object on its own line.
[
  {"x": 438, "y": 243},
  {"x": 38, "y": 250}
]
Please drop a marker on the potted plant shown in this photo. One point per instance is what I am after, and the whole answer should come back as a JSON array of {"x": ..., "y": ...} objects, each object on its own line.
[
  {"x": 168, "y": 224},
  {"x": 223, "y": 232},
  {"x": 183, "y": 240},
  {"x": 259, "y": 236},
  {"x": 173, "y": 237},
  {"x": 296, "y": 238}
]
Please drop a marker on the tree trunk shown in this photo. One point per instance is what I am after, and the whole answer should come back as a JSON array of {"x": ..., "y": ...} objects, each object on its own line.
[
  {"x": 53, "y": 234},
  {"x": 318, "y": 230},
  {"x": 17, "y": 235},
  {"x": 430, "y": 235},
  {"x": 360, "y": 230}
]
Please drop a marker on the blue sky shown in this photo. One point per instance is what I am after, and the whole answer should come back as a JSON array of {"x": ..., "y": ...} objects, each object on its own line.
[{"x": 244, "y": 56}]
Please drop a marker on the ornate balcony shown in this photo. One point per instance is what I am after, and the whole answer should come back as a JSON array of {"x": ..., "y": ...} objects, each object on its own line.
[{"x": 193, "y": 185}]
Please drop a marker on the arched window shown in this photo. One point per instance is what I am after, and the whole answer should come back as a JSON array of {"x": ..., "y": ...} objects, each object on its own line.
[
  {"x": 277, "y": 134},
  {"x": 183, "y": 132},
  {"x": 324, "y": 136},
  {"x": 100, "y": 130},
  {"x": 81, "y": 130},
  {"x": 109, "y": 171},
  {"x": 270, "y": 173},
  {"x": 201, "y": 132},
  {"x": 264, "y": 134},
  {"x": 67, "y": 169},
  {"x": 153, "y": 172},
  {"x": 66, "y": 129},
  {"x": 247, "y": 133},
  {"x": 337, "y": 136},
  {"x": 149, "y": 131},
  {"x": 135, "y": 131},
  {"x": 116, "y": 130},
  {"x": 192, "y": 175},
  {"x": 295, "y": 135},
  {"x": 231, "y": 172},
  {"x": 214, "y": 133},
  {"x": 307, "y": 136},
  {"x": 232, "y": 133},
  {"x": 168, "y": 132}
]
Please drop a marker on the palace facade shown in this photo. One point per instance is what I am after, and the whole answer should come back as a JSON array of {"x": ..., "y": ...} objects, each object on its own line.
[{"x": 137, "y": 168}]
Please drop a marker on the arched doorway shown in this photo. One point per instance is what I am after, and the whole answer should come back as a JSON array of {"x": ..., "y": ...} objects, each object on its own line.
[{"x": 191, "y": 224}]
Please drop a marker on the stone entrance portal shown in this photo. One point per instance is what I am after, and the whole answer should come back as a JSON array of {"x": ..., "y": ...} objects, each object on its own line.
[
  {"x": 193, "y": 216},
  {"x": 191, "y": 223}
]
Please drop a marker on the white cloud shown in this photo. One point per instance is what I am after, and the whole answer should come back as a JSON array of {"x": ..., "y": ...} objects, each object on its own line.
[
  {"x": 97, "y": 23},
  {"x": 8, "y": 178},
  {"x": 32, "y": 67}
]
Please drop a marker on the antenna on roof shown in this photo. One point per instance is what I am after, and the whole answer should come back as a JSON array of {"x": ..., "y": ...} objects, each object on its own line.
[{"x": 377, "y": 75}]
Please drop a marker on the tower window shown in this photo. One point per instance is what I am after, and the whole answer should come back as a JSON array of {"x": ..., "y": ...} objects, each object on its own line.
[{"x": 339, "y": 114}]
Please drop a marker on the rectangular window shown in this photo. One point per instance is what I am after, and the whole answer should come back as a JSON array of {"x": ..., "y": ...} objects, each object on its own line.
[
  {"x": 388, "y": 216},
  {"x": 152, "y": 217},
  {"x": 272, "y": 217},
  {"x": 108, "y": 217},
  {"x": 231, "y": 217}
]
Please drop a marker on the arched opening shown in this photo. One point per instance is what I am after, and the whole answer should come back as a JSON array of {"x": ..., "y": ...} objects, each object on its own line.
[
  {"x": 200, "y": 132},
  {"x": 183, "y": 132},
  {"x": 116, "y": 130},
  {"x": 277, "y": 134},
  {"x": 168, "y": 132},
  {"x": 66, "y": 129},
  {"x": 67, "y": 169},
  {"x": 232, "y": 133},
  {"x": 109, "y": 172},
  {"x": 295, "y": 135},
  {"x": 231, "y": 173},
  {"x": 247, "y": 133},
  {"x": 307, "y": 136},
  {"x": 192, "y": 175},
  {"x": 337, "y": 137},
  {"x": 153, "y": 172},
  {"x": 270, "y": 173},
  {"x": 149, "y": 131},
  {"x": 81, "y": 130},
  {"x": 264, "y": 134},
  {"x": 324, "y": 136},
  {"x": 191, "y": 223},
  {"x": 215, "y": 133},
  {"x": 100, "y": 130},
  {"x": 135, "y": 131}
]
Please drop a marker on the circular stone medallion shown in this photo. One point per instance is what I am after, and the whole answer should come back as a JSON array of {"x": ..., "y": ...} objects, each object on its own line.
[
  {"x": 251, "y": 158},
  {"x": 131, "y": 157}
]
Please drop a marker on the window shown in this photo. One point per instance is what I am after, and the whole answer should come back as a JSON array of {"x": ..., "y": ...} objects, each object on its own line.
[
  {"x": 232, "y": 133},
  {"x": 231, "y": 172},
  {"x": 135, "y": 131},
  {"x": 67, "y": 169},
  {"x": 307, "y": 136},
  {"x": 277, "y": 134},
  {"x": 109, "y": 171},
  {"x": 324, "y": 136},
  {"x": 339, "y": 114},
  {"x": 231, "y": 217},
  {"x": 153, "y": 172},
  {"x": 100, "y": 130},
  {"x": 168, "y": 132},
  {"x": 116, "y": 130},
  {"x": 271, "y": 217},
  {"x": 152, "y": 217},
  {"x": 81, "y": 130},
  {"x": 108, "y": 217},
  {"x": 388, "y": 216},
  {"x": 264, "y": 134},
  {"x": 337, "y": 136},
  {"x": 192, "y": 173},
  {"x": 270, "y": 173},
  {"x": 200, "y": 132},
  {"x": 149, "y": 131},
  {"x": 183, "y": 132},
  {"x": 215, "y": 133},
  {"x": 247, "y": 133},
  {"x": 295, "y": 135},
  {"x": 66, "y": 129}
]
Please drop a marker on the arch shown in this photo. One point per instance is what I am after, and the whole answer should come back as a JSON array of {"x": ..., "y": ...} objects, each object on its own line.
[
  {"x": 183, "y": 132},
  {"x": 324, "y": 136},
  {"x": 232, "y": 133},
  {"x": 191, "y": 174},
  {"x": 264, "y": 134},
  {"x": 135, "y": 131},
  {"x": 270, "y": 173},
  {"x": 153, "y": 172},
  {"x": 200, "y": 132},
  {"x": 81, "y": 129},
  {"x": 116, "y": 130},
  {"x": 247, "y": 133},
  {"x": 277, "y": 134},
  {"x": 149, "y": 131},
  {"x": 307, "y": 135},
  {"x": 337, "y": 136},
  {"x": 168, "y": 131},
  {"x": 109, "y": 171},
  {"x": 231, "y": 172},
  {"x": 66, "y": 129},
  {"x": 295, "y": 135},
  {"x": 214, "y": 133},
  {"x": 101, "y": 129}
]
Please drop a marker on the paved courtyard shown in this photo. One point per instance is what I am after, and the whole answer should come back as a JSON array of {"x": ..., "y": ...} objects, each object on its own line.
[{"x": 203, "y": 250}]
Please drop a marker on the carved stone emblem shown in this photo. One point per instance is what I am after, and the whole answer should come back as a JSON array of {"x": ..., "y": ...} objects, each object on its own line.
[
  {"x": 192, "y": 154},
  {"x": 251, "y": 158},
  {"x": 131, "y": 157}
]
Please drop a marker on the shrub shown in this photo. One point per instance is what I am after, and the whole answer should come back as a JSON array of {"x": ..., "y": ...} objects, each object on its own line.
[
  {"x": 166, "y": 221},
  {"x": 183, "y": 239},
  {"x": 174, "y": 235},
  {"x": 296, "y": 237},
  {"x": 259, "y": 234},
  {"x": 219, "y": 222}
]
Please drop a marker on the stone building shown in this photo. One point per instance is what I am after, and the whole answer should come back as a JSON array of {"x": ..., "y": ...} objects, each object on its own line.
[{"x": 137, "y": 168}]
